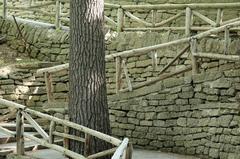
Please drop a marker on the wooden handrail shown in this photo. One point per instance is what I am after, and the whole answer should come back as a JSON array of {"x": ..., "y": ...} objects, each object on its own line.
[
  {"x": 168, "y": 6},
  {"x": 46, "y": 141},
  {"x": 144, "y": 50},
  {"x": 31, "y": 7},
  {"x": 84, "y": 129},
  {"x": 121, "y": 149},
  {"x": 183, "y": 6},
  {"x": 125, "y": 9},
  {"x": 53, "y": 69}
]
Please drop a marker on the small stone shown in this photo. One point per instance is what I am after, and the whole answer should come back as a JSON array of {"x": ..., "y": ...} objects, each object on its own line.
[{"x": 182, "y": 122}]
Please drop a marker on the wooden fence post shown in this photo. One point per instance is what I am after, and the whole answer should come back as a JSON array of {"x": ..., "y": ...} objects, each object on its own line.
[
  {"x": 120, "y": 16},
  {"x": 58, "y": 15},
  {"x": 219, "y": 17},
  {"x": 227, "y": 40},
  {"x": 49, "y": 87},
  {"x": 19, "y": 133},
  {"x": 66, "y": 140},
  {"x": 4, "y": 9},
  {"x": 51, "y": 130},
  {"x": 87, "y": 145},
  {"x": 154, "y": 18},
  {"x": 129, "y": 151},
  {"x": 188, "y": 22},
  {"x": 118, "y": 73},
  {"x": 195, "y": 69}
]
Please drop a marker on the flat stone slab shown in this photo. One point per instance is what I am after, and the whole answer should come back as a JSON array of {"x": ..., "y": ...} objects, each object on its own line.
[{"x": 46, "y": 154}]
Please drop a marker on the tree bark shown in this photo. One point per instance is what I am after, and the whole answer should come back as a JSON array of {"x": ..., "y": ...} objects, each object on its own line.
[{"x": 87, "y": 84}]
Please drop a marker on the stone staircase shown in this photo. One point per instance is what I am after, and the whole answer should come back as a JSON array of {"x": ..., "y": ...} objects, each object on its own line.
[{"x": 8, "y": 143}]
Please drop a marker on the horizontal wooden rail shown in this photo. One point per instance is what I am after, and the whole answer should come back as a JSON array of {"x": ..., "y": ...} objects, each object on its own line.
[
  {"x": 193, "y": 28},
  {"x": 218, "y": 56},
  {"x": 53, "y": 69},
  {"x": 31, "y": 7},
  {"x": 182, "y": 6}
]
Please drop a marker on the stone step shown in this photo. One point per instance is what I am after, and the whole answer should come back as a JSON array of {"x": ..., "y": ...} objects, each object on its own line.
[
  {"x": 8, "y": 139},
  {"x": 45, "y": 153},
  {"x": 29, "y": 145},
  {"x": 12, "y": 127}
]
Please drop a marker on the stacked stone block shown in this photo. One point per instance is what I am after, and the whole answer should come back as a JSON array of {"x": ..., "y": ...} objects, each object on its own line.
[{"x": 196, "y": 115}]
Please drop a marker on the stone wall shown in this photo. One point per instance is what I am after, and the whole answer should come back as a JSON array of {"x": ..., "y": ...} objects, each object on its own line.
[
  {"x": 19, "y": 83},
  {"x": 53, "y": 45},
  {"x": 46, "y": 43},
  {"x": 195, "y": 115}
]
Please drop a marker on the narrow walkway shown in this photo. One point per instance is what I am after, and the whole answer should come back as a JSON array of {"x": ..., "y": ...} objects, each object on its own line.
[
  {"x": 138, "y": 154},
  {"x": 146, "y": 154}
]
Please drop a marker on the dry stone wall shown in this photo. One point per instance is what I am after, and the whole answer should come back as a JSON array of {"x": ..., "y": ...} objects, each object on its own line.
[
  {"x": 196, "y": 115},
  {"x": 47, "y": 44},
  {"x": 19, "y": 83}
]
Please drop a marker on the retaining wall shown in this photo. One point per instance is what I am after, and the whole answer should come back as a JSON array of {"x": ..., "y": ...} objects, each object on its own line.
[
  {"x": 196, "y": 115},
  {"x": 48, "y": 44}
]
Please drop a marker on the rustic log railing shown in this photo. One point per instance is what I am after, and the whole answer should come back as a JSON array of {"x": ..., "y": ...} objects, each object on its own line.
[
  {"x": 121, "y": 148},
  {"x": 188, "y": 12},
  {"x": 191, "y": 44}
]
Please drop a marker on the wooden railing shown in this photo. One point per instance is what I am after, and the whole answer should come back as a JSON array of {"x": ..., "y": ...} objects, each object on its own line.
[
  {"x": 188, "y": 13},
  {"x": 191, "y": 44},
  {"x": 122, "y": 148}
]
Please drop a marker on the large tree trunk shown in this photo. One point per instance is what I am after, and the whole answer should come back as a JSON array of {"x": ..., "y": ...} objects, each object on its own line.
[{"x": 88, "y": 98}]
